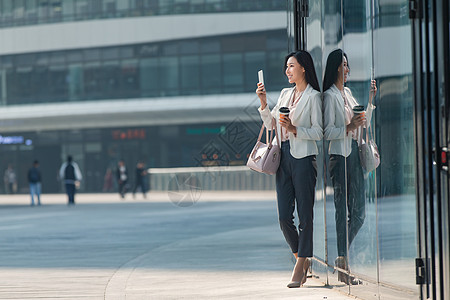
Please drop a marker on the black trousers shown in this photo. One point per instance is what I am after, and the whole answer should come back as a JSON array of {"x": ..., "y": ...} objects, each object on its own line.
[
  {"x": 349, "y": 197},
  {"x": 70, "y": 190},
  {"x": 139, "y": 183},
  {"x": 296, "y": 182},
  {"x": 123, "y": 187}
]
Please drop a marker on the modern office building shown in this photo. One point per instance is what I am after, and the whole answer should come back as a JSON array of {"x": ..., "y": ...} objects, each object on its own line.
[
  {"x": 136, "y": 80},
  {"x": 171, "y": 83}
]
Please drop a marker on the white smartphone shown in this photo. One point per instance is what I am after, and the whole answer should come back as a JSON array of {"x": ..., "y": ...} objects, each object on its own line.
[{"x": 261, "y": 76}]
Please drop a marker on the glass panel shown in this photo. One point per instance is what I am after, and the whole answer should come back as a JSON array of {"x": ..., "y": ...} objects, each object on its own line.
[
  {"x": 43, "y": 11},
  {"x": 30, "y": 11},
  {"x": 233, "y": 73},
  {"x": 129, "y": 81},
  {"x": 169, "y": 76},
  {"x": 164, "y": 6},
  {"x": 109, "y": 8},
  {"x": 123, "y": 6},
  {"x": 190, "y": 74},
  {"x": 148, "y": 71},
  {"x": 109, "y": 83},
  {"x": 211, "y": 73},
  {"x": 254, "y": 61},
  {"x": 395, "y": 137},
  {"x": 40, "y": 83},
  {"x": 3, "y": 87},
  {"x": 95, "y": 8},
  {"x": 334, "y": 141},
  {"x": 314, "y": 47},
  {"x": 81, "y": 9},
  {"x": 7, "y": 12},
  {"x": 75, "y": 81},
  {"x": 23, "y": 75},
  {"x": 92, "y": 77},
  {"x": 274, "y": 72},
  {"x": 360, "y": 194},
  {"x": 55, "y": 10},
  {"x": 58, "y": 87},
  {"x": 19, "y": 11},
  {"x": 68, "y": 10}
]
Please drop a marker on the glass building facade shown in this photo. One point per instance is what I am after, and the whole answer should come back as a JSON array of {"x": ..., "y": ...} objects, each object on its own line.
[
  {"x": 379, "y": 256},
  {"x": 31, "y": 12},
  {"x": 198, "y": 66}
]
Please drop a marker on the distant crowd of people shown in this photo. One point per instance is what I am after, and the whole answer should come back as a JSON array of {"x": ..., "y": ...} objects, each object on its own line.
[{"x": 70, "y": 174}]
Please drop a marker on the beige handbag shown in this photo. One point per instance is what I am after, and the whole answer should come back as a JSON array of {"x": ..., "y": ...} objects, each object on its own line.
[
  {"x": 265, "y": 158},
  {"x": 368, "y": 152}
]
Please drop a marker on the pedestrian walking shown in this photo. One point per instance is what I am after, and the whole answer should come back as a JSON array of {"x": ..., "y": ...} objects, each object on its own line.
[
  {"x": 34, "y": 181},
  {"x": 71, "y": 174},
  {"x": 10, "y": 180},
  {"x": 108, "y": 180},
  {"x": 122, "y": 178},
  {"x": 141, "y": 174}
]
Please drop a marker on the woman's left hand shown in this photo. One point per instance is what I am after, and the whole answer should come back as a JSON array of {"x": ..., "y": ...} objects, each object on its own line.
[
  {"x": 373, "y": 87},
  {"x": 286, "y": 123}
]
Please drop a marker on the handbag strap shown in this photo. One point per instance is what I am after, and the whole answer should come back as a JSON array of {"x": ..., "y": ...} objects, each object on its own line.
[
  {"x": 274, "y": 126},
  {"x": 261, "y": 132},
  {"x": 269, "y": 136},
  {"x": 368, "y": 127}
]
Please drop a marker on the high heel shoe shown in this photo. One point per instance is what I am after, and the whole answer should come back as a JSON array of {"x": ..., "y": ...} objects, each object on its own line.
[
  {"x": 341, "y": 262},
  {"x": 294, "y": 284},
  {"x": 306, "y": 264},
  {"x": 297, "y": 284}
]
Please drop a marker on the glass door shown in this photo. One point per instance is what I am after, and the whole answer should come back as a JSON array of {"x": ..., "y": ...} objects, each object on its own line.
[{"x": 431, "y": 92}]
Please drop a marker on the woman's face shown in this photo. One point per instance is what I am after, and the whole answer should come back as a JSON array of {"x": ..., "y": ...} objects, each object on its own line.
[
  {"x": 343, "y": 69},
  {"x": 294, "y": 71}
]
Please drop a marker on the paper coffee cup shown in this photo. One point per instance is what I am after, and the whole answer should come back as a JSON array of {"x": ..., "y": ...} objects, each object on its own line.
[
  {"x": 358, "y": 109},
  {"x": 284, "y": 111}
]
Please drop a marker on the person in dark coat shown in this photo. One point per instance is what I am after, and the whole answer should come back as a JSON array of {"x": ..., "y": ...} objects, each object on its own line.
[
  {"x": 71, "y": 174},
  {"x": 34, "y": 180},
  {"x": 141, "y": 174}
]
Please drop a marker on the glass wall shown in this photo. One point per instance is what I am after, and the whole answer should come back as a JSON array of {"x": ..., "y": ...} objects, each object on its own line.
[
  {"x": 29, "y": 12},
  {"x": 223, "y": 64},
  {"x": 365, "y": 238}
]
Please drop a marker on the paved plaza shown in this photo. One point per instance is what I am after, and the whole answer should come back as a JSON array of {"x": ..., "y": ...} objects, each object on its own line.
[{"x": 225, "y": 246}]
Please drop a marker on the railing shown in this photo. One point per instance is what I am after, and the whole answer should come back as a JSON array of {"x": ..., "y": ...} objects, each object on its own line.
[{"x": 230, "y": 178}]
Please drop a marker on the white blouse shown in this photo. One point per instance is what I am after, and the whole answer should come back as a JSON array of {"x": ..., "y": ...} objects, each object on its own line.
[
  {"x": 335, "y": 120},
  {"x": 306, "y": 117}
]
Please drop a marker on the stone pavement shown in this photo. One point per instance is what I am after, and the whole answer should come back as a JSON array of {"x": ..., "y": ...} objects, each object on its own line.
[{"x": 226, "y": 246}]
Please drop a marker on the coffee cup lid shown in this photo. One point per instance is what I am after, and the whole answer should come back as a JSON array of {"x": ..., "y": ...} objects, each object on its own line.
[
  {"x": 358, "y": 108},
  {"x": 284, "y": 110}
]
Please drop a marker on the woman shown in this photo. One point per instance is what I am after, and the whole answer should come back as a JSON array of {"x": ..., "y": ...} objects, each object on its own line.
[
  {"x": 343, "y": 129},
  {"x": 296, "y": 176}
]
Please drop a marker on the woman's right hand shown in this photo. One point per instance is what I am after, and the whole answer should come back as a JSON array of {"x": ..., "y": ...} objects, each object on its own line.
[
  {"x": 357, "y": 121},
  {"x": 261, "y": 92}
]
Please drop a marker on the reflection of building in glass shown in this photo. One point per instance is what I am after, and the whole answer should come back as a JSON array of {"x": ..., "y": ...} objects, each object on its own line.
[
  {"x": 376, "y": 35},
  {"x": 393, "y": 71},
  {"x": 138, "y": 80}
]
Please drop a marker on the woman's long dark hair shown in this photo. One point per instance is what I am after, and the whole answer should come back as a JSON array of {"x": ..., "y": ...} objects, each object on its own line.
[
  {"x": 305, "y": 60},
  {"x": 334, "y": 60}
]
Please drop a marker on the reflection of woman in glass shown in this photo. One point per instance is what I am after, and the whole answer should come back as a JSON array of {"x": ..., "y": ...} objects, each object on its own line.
[
  {"x": 343, "y": 128},
  {"x": 296, "y": 176}
]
